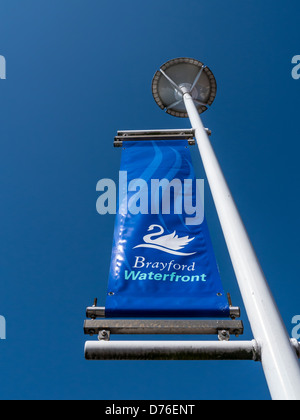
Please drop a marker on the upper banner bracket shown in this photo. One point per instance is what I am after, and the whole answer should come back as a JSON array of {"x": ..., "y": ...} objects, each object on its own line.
[{"x": 143, "y": 135}]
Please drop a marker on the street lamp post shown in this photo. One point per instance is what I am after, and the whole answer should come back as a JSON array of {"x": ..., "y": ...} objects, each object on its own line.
[{"x": 185, "y": 88}]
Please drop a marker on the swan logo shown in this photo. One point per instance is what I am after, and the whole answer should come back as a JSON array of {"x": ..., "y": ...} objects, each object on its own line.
[{"x": 171, "y": 244}]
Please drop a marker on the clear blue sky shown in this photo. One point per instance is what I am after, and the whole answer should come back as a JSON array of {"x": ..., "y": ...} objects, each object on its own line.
[{"x": 78, "y": 71}]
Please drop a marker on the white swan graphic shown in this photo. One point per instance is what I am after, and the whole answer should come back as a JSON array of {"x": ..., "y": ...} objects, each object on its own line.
[{"x": 166, "y": 243}]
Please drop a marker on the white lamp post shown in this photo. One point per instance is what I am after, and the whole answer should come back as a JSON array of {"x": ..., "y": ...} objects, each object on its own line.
[{"x": 185, "y": 88}]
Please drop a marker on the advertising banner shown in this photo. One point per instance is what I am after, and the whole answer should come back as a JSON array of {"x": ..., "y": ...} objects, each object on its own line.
[{"x": 163, "y": 263}]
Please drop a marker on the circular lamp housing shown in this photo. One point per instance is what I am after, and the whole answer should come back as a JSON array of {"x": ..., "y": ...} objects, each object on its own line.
[{"x": 183, "y": 75}]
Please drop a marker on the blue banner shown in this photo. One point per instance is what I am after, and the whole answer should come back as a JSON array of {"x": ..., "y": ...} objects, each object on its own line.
[{"x": 163, "y": 263}]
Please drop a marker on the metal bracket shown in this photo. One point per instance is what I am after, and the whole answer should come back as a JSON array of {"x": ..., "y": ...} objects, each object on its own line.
[
  {"x": 95, "y": 312},
  {"x": 104, "y": 335},
  {"x": 224, "y": 335},
  {"x": 142, "y": 135},
  {"x": 235, "y": 311},
  {"x": 105, "y": 327}
]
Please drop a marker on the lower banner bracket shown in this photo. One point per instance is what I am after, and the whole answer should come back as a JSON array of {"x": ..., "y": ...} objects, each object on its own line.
[{"x": 107, "y": 327}]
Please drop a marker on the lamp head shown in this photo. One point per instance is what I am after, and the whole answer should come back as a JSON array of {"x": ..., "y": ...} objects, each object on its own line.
[{"x": 179, "y": 76}]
